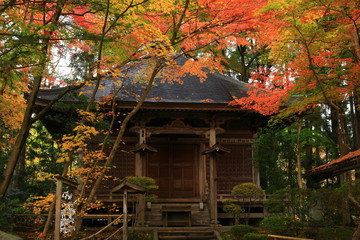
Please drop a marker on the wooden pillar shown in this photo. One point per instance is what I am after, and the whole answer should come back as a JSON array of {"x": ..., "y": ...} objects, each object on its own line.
[
  {"x": 125, "y": 212},
  {"x": 139, "y": 161},
  {"x": 255, "y": 170},
  {"x": 213, "y": 179},
  {"x": 58, "y": 209},
  {"x": 202, "y": 172},
  {"x": 139, "y": 172}
]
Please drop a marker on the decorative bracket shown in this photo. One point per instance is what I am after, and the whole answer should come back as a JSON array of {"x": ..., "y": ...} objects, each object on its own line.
[
  {"x": 143, "y": 148},
  {"x": 216, "y": 149}
]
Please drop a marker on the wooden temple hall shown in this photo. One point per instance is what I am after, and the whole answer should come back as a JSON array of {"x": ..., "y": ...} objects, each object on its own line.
[{"x": 189, "y": 140}]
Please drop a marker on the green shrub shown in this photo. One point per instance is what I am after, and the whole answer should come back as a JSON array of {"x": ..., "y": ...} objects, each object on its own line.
[
  {"x": 226, "y": 236},
  {"x": 255, "y": 236},
  {"x": 248, "y": 190},
  {"x": 282, "y": 225},
  {"x": 314, "y": 207},
  {"x": 234, "y": 209},
  {"x": 335, "y": 233},
  {"x": 239, "y": 231},
  {"x": 7, "y": 209}
]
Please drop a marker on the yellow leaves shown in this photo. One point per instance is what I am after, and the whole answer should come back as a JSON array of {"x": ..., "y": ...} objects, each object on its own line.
[
  {"x": 83, "y": 134},
  {"x": 40, "y": 204},
  {"x": 12, "y": 108},
  {"x": 62, "y": 159},
  {"x": 95, "y": 205},
  {"x": 79, "y": 140},
  {"x": 89, "y": 116},
  {"x": 93, "y": 155},
  {"x": 85, "y": 131},
  {"x": 42, "y": 176},
  {"x": 163, "y": 6}
]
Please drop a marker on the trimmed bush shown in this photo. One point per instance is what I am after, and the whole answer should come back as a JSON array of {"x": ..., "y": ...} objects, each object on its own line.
[
  {"x": 255, "y": 236},
  {"x": 239, "y": 231},
  {"x": 234, "y": 209},
  {"x": 281, "y": 225},
  {"x": 335, "y": 233},
  {"x": 248, "y": 190}
]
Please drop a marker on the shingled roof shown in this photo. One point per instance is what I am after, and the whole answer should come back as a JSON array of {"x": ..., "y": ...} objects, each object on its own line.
[
  {"x": 343, "y": 164},
  {"x": 216, "y": 90}
]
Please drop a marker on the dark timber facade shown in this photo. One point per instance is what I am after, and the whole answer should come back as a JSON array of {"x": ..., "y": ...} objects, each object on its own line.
[{"x": 190, "y": 141}]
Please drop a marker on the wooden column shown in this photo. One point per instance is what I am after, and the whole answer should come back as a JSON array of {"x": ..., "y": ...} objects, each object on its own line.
[
  {"x": 140, "y": 172},
  {"x": 213, "y": 179},
  {"x": 58, "y": 209},
  {"x": 125, "y": 211},
  {"x": 59, "y": 184},
  {"x": 256, "y": 173},
  {"x": 202, "y": 172},
  {"x": 126, "y": 187},
  {"x": 139, "y": 161}
]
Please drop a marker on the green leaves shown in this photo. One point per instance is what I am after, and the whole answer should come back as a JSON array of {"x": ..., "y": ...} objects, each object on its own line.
[{"x": 248, "y": 190}]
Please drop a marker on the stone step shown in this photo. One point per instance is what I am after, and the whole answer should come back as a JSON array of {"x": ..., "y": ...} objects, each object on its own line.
[
  {"x": 7, "y": 236},
  {"x": 189, "y": 235},
  {"x": 187, "y": 238},
  {"x": 188, "y": 232}
]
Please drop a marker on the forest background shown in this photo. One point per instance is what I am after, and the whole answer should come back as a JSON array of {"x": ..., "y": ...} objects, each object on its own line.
[{"x": 301, "y": 59}]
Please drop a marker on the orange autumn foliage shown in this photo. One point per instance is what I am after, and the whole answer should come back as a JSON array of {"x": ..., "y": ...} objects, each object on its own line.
[{"x": 309, "y": 42}]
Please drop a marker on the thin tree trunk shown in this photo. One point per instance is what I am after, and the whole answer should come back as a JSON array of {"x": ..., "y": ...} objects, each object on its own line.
[
  {"x": 78, "y": 220},
  {"x": 27, "y": 119},
  {"x": 343, "y": 144},
  {"x": 356, "y": 121},
  {"x": 21, "y": 137},
  {"x": 298, "y": 157}
]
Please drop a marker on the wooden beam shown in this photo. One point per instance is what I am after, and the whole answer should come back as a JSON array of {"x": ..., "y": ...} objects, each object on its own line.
[
  {"x": 67, "y": 181},
  {"x": 133, "y": 188},
  {"x": 176, "y": 129}
]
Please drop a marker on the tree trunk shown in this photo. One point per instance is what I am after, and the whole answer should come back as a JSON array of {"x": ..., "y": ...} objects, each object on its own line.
[
  {"x": 21, "y": 137},
  {"x": 27, "y": 119},
  {"x": 343, "y": 143},
  {"x": 89, "y": 199},
  {"x": 356, "y": 121},
  {"x": 298, "y": 157}
]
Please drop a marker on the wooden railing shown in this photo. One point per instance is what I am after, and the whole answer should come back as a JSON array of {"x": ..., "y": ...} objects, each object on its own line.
[
  {"x": 106, "y": 227},
  {"x": 222, "y": 197},
  {"x": 276, "y": 237}
]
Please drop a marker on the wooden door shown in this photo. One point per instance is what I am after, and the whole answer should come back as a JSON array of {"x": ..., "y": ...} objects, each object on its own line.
[{"x": 174, "y": 169}]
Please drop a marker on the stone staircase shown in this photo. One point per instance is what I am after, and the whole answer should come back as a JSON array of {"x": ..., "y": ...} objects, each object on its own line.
[
  {"x": 160, "y": 214},
  {"x": 186, "y": 234}
]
